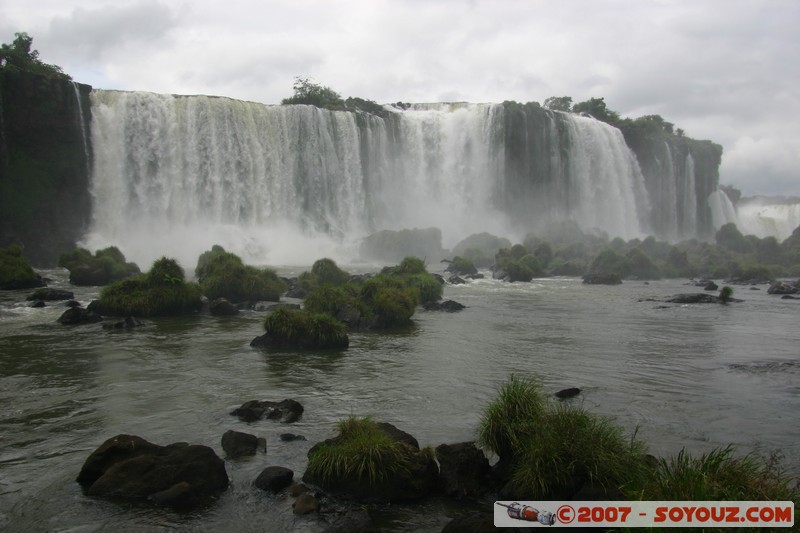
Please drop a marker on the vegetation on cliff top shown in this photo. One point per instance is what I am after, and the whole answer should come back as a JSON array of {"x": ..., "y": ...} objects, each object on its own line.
[{"x": 19, "y": 56}]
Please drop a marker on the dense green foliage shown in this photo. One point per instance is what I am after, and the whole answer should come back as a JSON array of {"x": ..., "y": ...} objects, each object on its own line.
[
  {"x": 552, "y": 447},
  {"x": 462, "y": 266},
  {"x": 223, "y": 275},
  {"x": 104, "y": 267},
  {"x": 311, "y": 93},
  {"x": 15, "y": 270},
  {"x": 159, "y": 292},
  {"x": 738, "y": 258},
  {"x": 301, "y": 329},
  {"x": 361, "y": 451},
  {"x": 19, "y": 56},
  {"x": 384, "y": 301}
]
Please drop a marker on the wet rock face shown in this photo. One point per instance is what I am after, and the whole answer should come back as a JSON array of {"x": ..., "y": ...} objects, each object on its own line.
[
  {"x": 44, "y": 164},
  {"x": 179, "y": 475}
]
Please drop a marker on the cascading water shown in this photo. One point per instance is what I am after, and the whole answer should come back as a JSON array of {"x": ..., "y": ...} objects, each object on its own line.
[
  {"x": 288, "y": 184},
  {"x": 82, "y": 126},
  {"x": 607, "y": 186}
]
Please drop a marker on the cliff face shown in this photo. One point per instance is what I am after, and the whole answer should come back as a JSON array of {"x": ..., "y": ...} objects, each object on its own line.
[
  {"x": 45, "y": 158},
  {"x": 680, "y": 173}
]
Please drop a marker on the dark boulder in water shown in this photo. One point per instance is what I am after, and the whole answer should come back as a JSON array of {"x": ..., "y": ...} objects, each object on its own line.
[
  {"x": 238, "y": 444},
  {"x": 602, "y": 279},
  {"x": 179, "y": 475},
  {"x": 76, "y": 316},
  {"x": 274, "y": 478},
  {"x": 780, "y": 287},
  {"x": 448, "y": 306},
  {"x": 567, "y": 393},
  {"x": 48, "y": 295},
  {"x": 463, "y": 469},
  {"x": 222, "y": 307}
]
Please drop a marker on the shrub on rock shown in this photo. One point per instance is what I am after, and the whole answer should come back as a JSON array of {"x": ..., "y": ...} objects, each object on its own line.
[
  {"x": 104, "y": 267},
  {"x": 16, "y": 271},
  {"x": 224, "y": 275},
  {"x": 161, "y": 291},
  {"x": 299, "y": 329}
]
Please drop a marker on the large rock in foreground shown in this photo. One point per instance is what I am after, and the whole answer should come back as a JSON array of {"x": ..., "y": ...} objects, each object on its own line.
[{"x": 180, "y": 475}]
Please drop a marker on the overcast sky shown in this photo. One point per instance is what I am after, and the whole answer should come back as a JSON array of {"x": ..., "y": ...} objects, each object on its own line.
[{"x": 725, "y": 70}]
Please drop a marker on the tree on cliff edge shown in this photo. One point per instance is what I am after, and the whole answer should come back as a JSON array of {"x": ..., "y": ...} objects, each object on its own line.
[{"x": 19, "y": 56}]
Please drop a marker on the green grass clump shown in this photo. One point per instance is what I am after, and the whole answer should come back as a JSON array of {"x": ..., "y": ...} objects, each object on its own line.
[
  {"x": 224, "y": 275},
  {"x": 573, "y": 447},
  {"x": 159, "y": 292},
  {"x": 327, "y": 271},
  {"x": 718, "y": 475},
  {"x": 15, "y": 271},
  {"x": 105, "y": 266},
  {"x": 361, "y": 451},
  {"x": 429, "y": 288},
  {"x": 301, "y": 329},
  {"x": 462, "y": 266},
  {"x": 512, "y": 416},
  {"x": 552, "y": 448},
  {"x": 329, "y": 299}
]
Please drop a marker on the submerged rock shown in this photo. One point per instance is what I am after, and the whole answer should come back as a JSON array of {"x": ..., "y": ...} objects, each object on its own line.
[
  {"x": 49, "y": 295},
  {"x": 179, "y": 475},
  {"x": 448, "y": 306},
  {"x": 75, "y": 316},
  {"x": 287, "y": 411}
]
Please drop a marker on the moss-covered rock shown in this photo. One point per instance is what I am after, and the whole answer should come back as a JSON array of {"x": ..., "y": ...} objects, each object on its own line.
[
  {"x": 16, "y": 271},
  {"x": 298, "y": 329},
  {"x": 161, "y": 291},
  {"x": 104, "y": 267},
  {"x": 224, "y": 275}
]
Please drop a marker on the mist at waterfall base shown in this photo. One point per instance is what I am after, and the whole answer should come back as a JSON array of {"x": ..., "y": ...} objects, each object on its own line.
[{"x": 285, "y": 185}]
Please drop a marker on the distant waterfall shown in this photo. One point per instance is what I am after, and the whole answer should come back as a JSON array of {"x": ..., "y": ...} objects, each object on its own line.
[{"x": 174, "y": 175}]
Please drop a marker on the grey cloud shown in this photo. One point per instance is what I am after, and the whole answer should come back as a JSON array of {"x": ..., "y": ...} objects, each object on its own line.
[{"x": 92, "y": 34}]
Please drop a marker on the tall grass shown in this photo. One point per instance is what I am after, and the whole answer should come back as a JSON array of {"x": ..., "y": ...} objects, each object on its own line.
[
  {"x": 555, "y": 447},
  {"x": 361, "y": 451},
  {"x": 718, "y": 475},
  {"x": 574, "y": 447},
  {"x": 508, "y": 422}
]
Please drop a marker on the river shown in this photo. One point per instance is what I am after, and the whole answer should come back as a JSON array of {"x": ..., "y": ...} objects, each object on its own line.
[{"x": 694, "y": 376}]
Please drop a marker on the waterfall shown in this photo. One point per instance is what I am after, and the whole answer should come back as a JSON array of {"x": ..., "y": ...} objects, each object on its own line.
[
  {"x": 722, "y": 209},
  {"x": 607, "y": 187},
  {"x": 762, "y": 218},
  {"x": 174, "y": 175},
  {"x": 688, "y": 207},
  {"x": 82, "y": 126}
]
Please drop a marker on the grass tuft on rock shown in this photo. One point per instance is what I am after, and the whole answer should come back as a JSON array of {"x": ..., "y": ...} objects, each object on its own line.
[
  {"x": 301, "y": 329},
  {"x": 552, "y": 448},
  {"x": 361, "y": 451}
]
